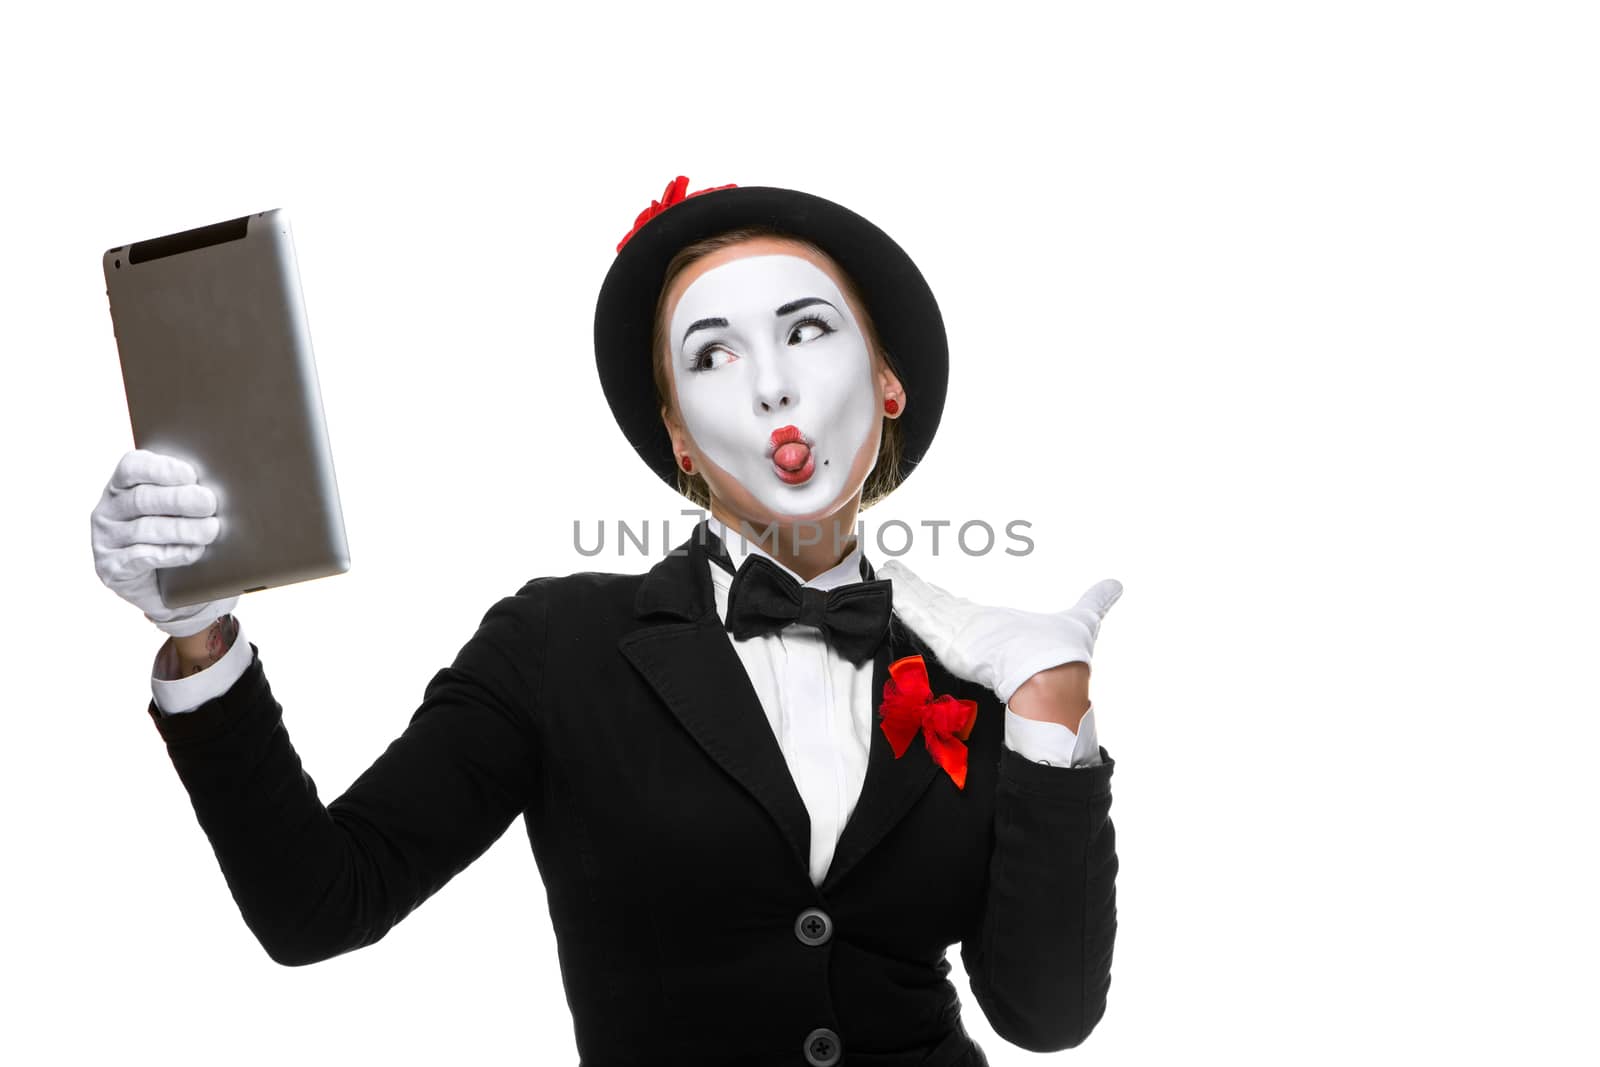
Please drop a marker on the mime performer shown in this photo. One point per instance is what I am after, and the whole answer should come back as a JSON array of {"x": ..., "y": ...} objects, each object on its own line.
[{"x": 766, "y": 784}]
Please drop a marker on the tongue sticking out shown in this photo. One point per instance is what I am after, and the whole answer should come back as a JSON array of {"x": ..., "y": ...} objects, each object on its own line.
[{"x": 792, "y": 456}]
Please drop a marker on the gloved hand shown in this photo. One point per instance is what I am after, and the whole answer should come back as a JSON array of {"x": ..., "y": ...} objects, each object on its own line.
[
  {"x": 154, "y": 514},
  {"x": 997, "y": 647}
]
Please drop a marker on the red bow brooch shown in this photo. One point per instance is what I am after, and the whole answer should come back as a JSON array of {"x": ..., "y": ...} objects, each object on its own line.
[
  {"x": 674, "y": 195},
  {"x": 909, "y": 705}
]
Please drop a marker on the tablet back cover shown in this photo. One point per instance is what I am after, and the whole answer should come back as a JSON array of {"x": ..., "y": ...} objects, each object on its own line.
[{"x": 218, "y": 367}]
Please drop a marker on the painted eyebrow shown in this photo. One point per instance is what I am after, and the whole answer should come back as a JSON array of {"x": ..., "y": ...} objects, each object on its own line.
[
  {"x": 796, "y": 305},
  {"x": 703, "y": 324},
  {"x": 720, "y": 324}
]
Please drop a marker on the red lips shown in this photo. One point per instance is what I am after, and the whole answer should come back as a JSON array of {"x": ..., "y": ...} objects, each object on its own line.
[{"x": 790, "y": 452}]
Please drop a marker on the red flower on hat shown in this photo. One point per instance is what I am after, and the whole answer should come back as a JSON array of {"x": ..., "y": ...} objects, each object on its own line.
[
  {"x": 909, "y": 706},
  {"x": 674, "y": 195}
]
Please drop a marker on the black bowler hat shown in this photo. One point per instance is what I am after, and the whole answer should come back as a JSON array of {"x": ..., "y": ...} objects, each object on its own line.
[{"x": 898, "y": 300}]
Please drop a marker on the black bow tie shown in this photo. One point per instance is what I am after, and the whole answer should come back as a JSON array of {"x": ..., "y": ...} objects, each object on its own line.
[{"x": 763, "y": 597}]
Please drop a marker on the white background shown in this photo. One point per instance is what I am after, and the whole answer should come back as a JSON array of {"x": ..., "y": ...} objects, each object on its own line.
[{"x": 1282, "y": 314}]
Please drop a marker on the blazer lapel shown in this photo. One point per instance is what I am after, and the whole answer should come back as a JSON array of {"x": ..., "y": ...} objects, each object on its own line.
[
  {"x": 689, "y": 662},
  {"x": 693, "y": 668},
  {"x": 892, "y": 786}
]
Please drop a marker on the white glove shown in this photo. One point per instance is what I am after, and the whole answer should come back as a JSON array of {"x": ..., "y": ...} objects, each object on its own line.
[
  {"x": 999, "y": 648},
  {"x": 154, "y": 514}
]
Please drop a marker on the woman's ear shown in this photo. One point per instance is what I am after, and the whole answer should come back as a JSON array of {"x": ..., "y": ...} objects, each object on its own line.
[
  {"x": 680, "y": 436},
  {"x": 894, "y": 394}
]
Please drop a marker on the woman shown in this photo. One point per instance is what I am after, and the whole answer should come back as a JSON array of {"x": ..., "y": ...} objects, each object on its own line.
[{"x": 749, "y": 856}]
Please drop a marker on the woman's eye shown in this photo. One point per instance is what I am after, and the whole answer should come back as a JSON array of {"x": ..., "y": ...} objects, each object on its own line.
[
  {"x": 711, "y": 357},
  {"x": 808, "y": 330}
]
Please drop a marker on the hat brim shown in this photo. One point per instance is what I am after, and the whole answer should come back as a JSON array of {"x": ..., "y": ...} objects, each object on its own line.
[{"x": 903, "y": 309}]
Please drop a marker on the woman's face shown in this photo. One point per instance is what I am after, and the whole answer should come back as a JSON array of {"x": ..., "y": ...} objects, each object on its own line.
[{"x": 778, "y": 397}]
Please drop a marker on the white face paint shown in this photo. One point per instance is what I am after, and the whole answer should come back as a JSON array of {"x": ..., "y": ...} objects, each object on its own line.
[{"x": 767, "y": 343}]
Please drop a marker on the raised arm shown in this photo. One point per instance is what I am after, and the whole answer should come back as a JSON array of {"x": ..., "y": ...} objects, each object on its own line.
[
  {"x": 315, "y": 881},
  {"x": 1039, "y": 957}
]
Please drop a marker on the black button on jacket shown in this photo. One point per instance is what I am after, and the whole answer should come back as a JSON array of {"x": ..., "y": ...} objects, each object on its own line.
[{"x": 611, "y": 712}]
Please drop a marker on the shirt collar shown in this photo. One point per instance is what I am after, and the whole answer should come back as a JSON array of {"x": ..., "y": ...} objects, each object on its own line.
[{"x": 739, "y": 547}]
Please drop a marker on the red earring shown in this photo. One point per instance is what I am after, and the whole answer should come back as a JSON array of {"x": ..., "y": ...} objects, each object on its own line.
[
  {"x": 891, "y": 405},
  {"x": 686, "y": 464}
]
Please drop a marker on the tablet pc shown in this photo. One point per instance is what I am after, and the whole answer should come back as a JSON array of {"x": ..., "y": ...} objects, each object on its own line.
[{"x": 217, "y": 364}]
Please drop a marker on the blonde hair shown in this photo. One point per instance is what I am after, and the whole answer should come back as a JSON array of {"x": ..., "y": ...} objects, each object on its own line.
[{"x": 885, "y": 475}]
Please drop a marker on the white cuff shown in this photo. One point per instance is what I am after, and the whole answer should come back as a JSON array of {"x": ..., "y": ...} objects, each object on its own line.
[
  {"x": 174, "y": 695},
  {"x": 1053, "y": 743}
]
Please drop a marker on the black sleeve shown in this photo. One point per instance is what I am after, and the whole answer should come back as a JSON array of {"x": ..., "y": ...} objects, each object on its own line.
[
  {"x": 313, "y": 882},
  {"x": 1039, "y": 959}
]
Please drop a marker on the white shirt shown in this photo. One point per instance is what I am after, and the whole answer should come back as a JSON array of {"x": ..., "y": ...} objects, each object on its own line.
[{"x": 820, "y": 705}]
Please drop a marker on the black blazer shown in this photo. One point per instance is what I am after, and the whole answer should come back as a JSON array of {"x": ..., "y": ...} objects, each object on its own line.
[{"x": 611, "y": 711}]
